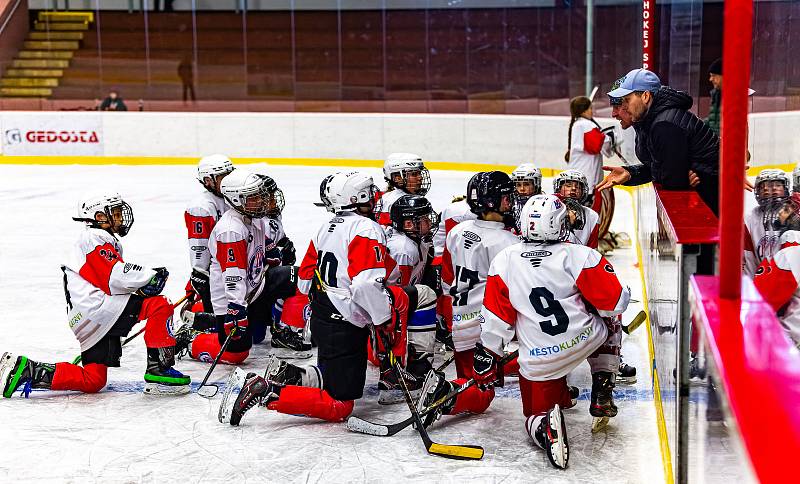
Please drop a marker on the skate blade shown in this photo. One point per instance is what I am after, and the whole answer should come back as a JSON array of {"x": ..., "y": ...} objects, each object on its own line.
[
  {"x": 158, "y": 389},
  {"x": 621, "y": 380},
  {"x": 560, "y": 450},
  {"x": 391, "y": 397},
  {"x": 288, "y": 354},
  {"x": 599, "y": 424},
  {"x": 233, "y": 386},
  {"x": 6, "y": 365}
]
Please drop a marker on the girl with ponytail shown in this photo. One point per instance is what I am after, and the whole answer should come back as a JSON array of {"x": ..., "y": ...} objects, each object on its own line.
[{"x": 586, "y": 143}]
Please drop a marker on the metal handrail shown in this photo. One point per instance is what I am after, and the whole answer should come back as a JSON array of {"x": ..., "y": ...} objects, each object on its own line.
[{"x": 8, "y": 18}]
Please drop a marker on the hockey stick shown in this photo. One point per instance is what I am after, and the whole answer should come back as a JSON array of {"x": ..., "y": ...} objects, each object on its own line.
[
  {"x": 462, "y": 452},
  {"x": 213, "y": 388},
  {"x": 635, "y": 323},
  {"x": 356, "y": 424},
  {"x": 133, "y": 337}
]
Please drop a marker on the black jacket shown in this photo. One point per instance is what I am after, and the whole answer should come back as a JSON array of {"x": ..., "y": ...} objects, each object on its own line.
[{"x": 670, "y": 141}]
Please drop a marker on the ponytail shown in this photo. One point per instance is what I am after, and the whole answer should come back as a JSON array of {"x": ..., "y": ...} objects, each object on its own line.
[
  {"x": 577, "y": 106},
  {"x": 569, "y": 139}
]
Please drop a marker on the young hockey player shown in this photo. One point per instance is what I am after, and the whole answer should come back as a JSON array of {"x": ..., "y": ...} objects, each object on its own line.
[
  {"x": 409, "y": 242},
  {"x": 527, "y": 183},
  {"x": 539, "y": 289},
  {"x": 201, "y": 215},
  {"x": 106, "y": 297},
  {"x": 777, "y": 278},
  {"x": 469, "y": 249},
  {"x": 405, "y": 174},
  {"x": 343, "y": 272},
  {"x": 571, "y": 187},
  {"x": 760, "y": 237},
  {"x": 246, "y": 273}
]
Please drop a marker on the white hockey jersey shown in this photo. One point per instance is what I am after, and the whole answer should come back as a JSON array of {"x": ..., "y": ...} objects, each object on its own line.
[
  {"x": 539, "y": 290},
  {"x": 777, "y": 281},
  {"x": 384, "y": 206},
  {"x": 759, "y": 243},
  {"x": 588, "y": 234},
  {"x": 452, "y": 215},
  {"x": 469, "y": 250},
  {"x": 241, "y": 251},
  {"x": 201, "y": 216},
  {"x": 587, "y": 147},
  {"x": 99, "y": 284},
  {"x": 349, "y": 251},
  {"x": 409, "y": 258}
]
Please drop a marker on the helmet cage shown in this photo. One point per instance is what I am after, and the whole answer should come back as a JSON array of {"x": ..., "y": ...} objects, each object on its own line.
[
  {"x": 771, "y": 175},
  {"x": 571, "y": 175}
]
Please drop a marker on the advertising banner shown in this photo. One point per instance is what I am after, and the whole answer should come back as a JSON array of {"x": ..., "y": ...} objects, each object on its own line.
[{"x": 37, "y": 135}]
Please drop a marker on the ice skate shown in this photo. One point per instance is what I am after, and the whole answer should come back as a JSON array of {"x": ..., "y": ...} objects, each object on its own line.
[
  {"x": 551, "y": 435},
  {"x": 290, "y": 342},
  {"x": 602, "y": 405},
  {"x": 160, "y": 378},
  {"x": 626, "y": 374},
  {"x": 255, "y": 391},
  {"x": 22, "y": 372},
  {"x": 390, "y": 391},
  {"x": 435, "y": 387},
  {"x": 280, "y": 371}
]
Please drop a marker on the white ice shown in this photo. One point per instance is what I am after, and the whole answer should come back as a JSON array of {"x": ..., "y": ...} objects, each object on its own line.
[{"x": 121, "y": 435}]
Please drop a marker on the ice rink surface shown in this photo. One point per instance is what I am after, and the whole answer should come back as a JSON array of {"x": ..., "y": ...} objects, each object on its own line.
[{"x": 122, "y": 435}]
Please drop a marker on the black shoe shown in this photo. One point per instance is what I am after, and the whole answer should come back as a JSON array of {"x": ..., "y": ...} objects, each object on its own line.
[
  {"x": 602, "y": 404},
  {"x": 551, "y": 435},
  {"x": 285, "y": 337},
  {"x": 434, "y": 389},
  {"x": 25, "y": 373},
  {"x": 255, "y": 390}
]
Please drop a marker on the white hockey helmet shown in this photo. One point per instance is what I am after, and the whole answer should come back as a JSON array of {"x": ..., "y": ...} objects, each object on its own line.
[
  {"x": 528, "y": 172},
  {"x": 544, "y": 218},
  {"x": 796, "y": 179},
  {"x": 572, "y": 175},
  {"x": 210, "y": 167},
  {"x": 403, "y": 163},
  {"x": 106, "y": 204},
  {"x": 252, "y": 194},
  {"x": 347, "y": 191},
  {"x": 771, "y": 175},
  {"x": 323, "y": 193}
]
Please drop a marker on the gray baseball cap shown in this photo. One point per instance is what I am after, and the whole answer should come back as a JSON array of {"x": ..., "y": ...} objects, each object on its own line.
[{"x": 636, "y": 80}]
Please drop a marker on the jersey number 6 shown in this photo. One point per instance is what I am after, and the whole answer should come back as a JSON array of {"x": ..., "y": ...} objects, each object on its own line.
[{"x": 546, "y": 305}]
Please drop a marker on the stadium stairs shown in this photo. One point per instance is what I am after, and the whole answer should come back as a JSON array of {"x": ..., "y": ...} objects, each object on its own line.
[{"x": 46, "y": 53}]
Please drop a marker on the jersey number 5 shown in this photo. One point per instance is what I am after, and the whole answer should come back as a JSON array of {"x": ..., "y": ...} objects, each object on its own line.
[{"x": 546, "y": 305}]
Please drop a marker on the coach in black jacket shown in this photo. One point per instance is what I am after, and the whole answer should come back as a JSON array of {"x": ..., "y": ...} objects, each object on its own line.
[{"x": 677, "y": 149}]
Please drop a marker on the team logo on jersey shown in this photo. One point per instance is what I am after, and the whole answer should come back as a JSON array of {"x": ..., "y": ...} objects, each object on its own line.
[
  {"x": 471, "y": 236},
  {"x": 536, "y": 253},
  {"x": 205, "y": 357},
  {"x": 306, "y": 312},
  {"x": 255, "y": 267},
  {"x": 169, "y": 327}
]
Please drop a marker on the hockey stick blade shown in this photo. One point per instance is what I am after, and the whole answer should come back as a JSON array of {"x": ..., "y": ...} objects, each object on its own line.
[
  {"x": 208, "y": 390},
  {"x": 635, "y": 323}
]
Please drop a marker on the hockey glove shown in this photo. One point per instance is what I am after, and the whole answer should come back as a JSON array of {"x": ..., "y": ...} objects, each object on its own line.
[
  {"x": 156, "y": 283},
  {"x": 288, "y": 255},
  {"x": 484, "y": 366},
  {"x": 200, "y": 283},
  {"x": 236, "y": 318},
  {"x": 393, "y": 332}
]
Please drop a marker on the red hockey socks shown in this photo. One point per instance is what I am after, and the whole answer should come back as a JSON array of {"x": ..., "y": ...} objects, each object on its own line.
[
  {"x": 158, "y": 313},
  {"x": 87, "y": 379},
  {"x": 311, "y": 402}
]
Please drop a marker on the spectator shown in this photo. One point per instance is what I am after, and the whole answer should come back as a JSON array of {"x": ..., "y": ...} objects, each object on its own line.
[
  {"x": 670, "y": 140},
  {"x": 186, "y": 73},
  {"x": 715, "y": 78},
  {"x": 113, "y": 102}
]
